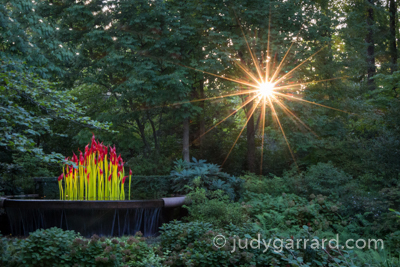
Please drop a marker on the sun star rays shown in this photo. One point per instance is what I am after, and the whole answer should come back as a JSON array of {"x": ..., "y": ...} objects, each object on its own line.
[{"x": 264, "y": 90}]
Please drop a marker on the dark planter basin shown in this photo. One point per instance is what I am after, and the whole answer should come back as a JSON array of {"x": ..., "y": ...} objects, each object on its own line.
[{"x": 106, "y": 218}]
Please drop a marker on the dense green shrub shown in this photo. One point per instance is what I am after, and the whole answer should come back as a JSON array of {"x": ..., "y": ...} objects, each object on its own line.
[
  {"x": 17, "y": 179},
  {"x": 272, "y": 185},
  {"x": 211, "y": 178},
  {"x": 290, "y": 212},
  {"x": 42, "y": 248},
  {"x": 214, "y": 207},
  {"x": 367, "y": 194},
  {"x": 55, "y": 247},
  {"x": 393, "y": 239},
  {"x": 393, "y": 242},
  {"x": 286, "y": 214},
  {"x": 3, "y": 250},
  {"x": 192, "y": 244},
  {"x": 326, "y": 179},
  {"x": 364, "y": 202},
  {"x": 373, "y": 258},
  {"x": 392, "y": 196},
  {"x": 322, "y": 178}
]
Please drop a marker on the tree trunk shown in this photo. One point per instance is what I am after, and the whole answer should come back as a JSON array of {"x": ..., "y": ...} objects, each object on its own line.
[
  {"x": 143, "y": 135},
  {"x": 185, "y": 150},
  {"x": 392, "y": 36},
  {"x": 251, "y": 147},
  {"x": 153, "y": 127},
  {"x": 202, "y": 128},
  {"x": 370, "y": 46}
]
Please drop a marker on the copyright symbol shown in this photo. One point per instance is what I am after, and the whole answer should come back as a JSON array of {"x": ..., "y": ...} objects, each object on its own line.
[{"x": 219, "y": 241}]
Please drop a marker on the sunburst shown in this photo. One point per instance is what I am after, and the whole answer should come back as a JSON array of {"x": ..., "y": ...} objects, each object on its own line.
[{"x": 265, "y": 91}]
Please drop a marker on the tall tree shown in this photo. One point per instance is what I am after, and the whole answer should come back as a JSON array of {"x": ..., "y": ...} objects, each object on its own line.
[
  {"x": 202, "y": 125},
  {"x": 392, "y": 35},
  {"x": 186, "y": 142},
  {"x": 31, "y": 104},
  {"x": 369, "y": 40},
  {"x": 250, "y": 134}
]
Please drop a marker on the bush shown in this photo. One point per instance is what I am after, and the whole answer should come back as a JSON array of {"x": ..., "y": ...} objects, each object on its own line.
[
  {"x": 214, "y": 207},
  {"x": 326, "y": 179},
  {"x": 265, "y": 185},
  {"x": 55, "y": 247},
  {"x": 193, "y": 244},
  {"x": 17, "y": 179},
  {"x": 377, "y": 258},
  {"x": 289, "y": 212},
  {"x": 4, "y": 255},
  {"x": 211, "y": 178},
  {"x": 393, "y": 242},
  {"x": 43, "y": 248}
]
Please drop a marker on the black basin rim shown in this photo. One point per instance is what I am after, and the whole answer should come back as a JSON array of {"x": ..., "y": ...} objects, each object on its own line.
[{"x": 82, "y": 204}]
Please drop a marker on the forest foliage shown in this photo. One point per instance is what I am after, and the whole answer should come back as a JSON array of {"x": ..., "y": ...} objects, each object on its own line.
[
  {"x": 125, "y": 71},
  {"x": 105, "y": 66}
]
